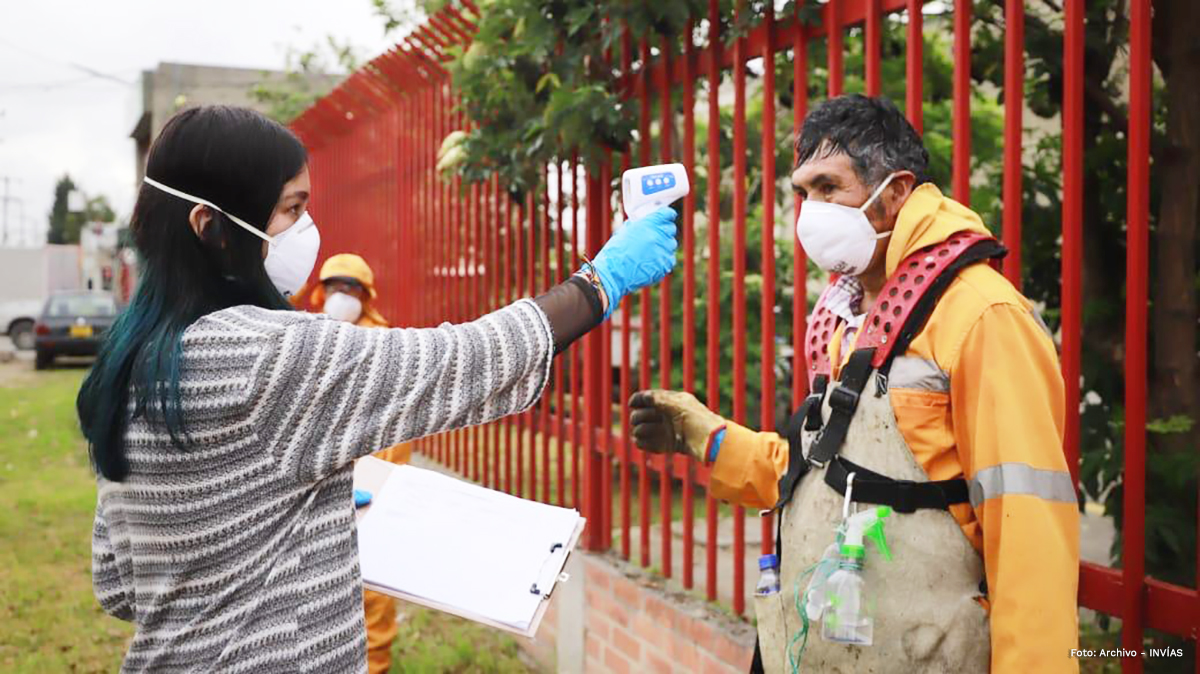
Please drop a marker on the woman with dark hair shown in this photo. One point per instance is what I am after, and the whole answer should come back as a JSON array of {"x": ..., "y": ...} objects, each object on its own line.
[{"x": 223, "y": 425}]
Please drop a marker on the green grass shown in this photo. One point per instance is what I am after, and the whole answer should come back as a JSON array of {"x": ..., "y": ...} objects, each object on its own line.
[
  {"x": 430, "y": 642},
  {"x": 49, "y": 619}
]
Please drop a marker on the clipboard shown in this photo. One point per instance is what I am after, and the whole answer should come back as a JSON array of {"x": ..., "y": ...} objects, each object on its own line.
[{"x": 371, "y": 474}]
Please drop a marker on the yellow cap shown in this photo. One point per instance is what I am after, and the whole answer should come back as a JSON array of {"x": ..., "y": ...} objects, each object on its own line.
[{"x": 349, "y": 265}]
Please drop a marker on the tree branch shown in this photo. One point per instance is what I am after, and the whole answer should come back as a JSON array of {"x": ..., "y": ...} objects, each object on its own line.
[
  {"x": 1118, "y": 120},
  {"x": 1054, "y": 6}
]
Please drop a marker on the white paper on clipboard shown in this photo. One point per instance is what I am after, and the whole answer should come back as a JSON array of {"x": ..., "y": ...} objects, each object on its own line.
[{"x": 461, "y": 548}]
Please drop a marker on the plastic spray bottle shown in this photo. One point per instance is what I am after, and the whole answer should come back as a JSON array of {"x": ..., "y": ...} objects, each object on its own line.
[
  {"x": 846, "y": 618},
  {"x": 816, "y": 599}
]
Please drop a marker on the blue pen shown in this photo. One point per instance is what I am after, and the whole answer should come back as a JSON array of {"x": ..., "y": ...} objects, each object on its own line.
[{"x": 361, "y": 498}]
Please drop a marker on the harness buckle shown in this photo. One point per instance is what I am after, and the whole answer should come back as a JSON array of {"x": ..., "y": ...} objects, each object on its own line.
[
  {"x": 812, "y": 420},
  {"x": 843, "y": 399}
]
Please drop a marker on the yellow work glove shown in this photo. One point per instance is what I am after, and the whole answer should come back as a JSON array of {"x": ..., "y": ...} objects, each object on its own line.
[{"x": 673, "y": 421}]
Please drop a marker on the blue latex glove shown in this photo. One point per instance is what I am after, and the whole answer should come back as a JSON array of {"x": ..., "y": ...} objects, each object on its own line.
[{"x": 639, "y": 254}]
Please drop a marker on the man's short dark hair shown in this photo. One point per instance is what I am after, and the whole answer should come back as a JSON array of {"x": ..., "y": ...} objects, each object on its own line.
[{"x": 871, "y": 131}]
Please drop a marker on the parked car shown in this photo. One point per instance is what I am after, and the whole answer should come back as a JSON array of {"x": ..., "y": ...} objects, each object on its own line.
[
  {"x": 73, "y": 324},
  {"x": 17, "y": 318}
]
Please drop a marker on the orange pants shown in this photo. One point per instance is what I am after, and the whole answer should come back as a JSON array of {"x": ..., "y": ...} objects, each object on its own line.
[
  {"x": 380, "y": 612},
  {"x": 380, "y": 609}
]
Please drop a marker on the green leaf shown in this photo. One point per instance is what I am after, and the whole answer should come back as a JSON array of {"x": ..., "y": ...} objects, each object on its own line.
[
  {"x": 1180, "y": 423},
  {"x": 547, "y": 80}
]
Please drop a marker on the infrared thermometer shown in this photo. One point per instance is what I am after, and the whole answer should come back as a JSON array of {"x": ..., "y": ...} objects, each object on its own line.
[{"x": 646, "y": 189}]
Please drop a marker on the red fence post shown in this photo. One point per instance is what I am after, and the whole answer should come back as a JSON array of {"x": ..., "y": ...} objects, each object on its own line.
[
  {"x": 739, "y": 297},
  {"x": 604, "y": 335},
  {"x": 689, "y": 288},
  {"x": 1137, "y": 262},
  {"x": 1072, "y": 225},
  {"x": 626, "y": 357},
  {"x": 834, "y": 53},
  {"x": 1014, "y": 103},
  {"x": 799, "y": 258},
  {"x": 547, "y": 397},
  {"x": 871, "y": 43},
  {"x": 913, "y": 73},
  {"x": 576, "y": 362},
  {"x": 565, "y": 359},
  {"x": 667, "y": 119},
  {"x": 714, "y": 275},
  {"x": 961, "y": 135},
  {"x": 644, "y": 301},
  {"x": 767, "y": 315},
  {"x": 592, "y": 464}
]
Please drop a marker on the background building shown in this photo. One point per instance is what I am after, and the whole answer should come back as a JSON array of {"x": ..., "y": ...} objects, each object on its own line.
[{"x": 172, "y": 87}]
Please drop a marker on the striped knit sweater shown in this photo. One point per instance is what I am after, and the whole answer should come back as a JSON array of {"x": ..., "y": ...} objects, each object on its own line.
[{"x": 239, "y": 554}]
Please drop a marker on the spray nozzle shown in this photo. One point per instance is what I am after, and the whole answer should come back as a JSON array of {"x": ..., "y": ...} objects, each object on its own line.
[{"x": 868, "y": 524}]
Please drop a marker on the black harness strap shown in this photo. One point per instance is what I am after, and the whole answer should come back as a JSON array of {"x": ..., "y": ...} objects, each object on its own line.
[
  {"x": 814, "y": 421},
  {"x": 904, "y": 496},
  {"x": 801, "y": 420},
  {"x": 843, "y": 401}
]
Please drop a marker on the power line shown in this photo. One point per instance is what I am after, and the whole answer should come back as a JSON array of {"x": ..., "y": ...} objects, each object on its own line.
[
  {"x": 66, "y": 64},
  {"x": 46, "y": 86}
]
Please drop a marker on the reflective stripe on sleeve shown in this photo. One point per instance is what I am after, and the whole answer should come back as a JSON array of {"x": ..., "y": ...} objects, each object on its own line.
[
  {"x": 1021, "y": 478},
  {"x": 918, "y": 374}
]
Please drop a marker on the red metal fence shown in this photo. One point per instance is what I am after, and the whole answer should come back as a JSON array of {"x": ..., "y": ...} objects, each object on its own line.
[{"x": 444, "y": 253}]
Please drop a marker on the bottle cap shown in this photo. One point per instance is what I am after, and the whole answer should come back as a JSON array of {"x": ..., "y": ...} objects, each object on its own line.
[{"x": 768, "y": 562}]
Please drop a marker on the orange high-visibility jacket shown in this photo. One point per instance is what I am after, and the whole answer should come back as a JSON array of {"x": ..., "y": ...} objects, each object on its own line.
[{"x": 990, "y": 410}]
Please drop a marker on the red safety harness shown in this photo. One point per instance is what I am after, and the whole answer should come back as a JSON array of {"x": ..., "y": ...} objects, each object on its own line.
[{"x": 900, "y": 312}]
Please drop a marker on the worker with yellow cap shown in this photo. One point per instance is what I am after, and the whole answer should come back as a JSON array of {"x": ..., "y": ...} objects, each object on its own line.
[{"x": 345, "y": 290}]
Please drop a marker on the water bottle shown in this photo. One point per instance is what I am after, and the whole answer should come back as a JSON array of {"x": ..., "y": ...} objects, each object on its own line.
[
  {"x": 846, "y": 619},
  {"x": 768, "y": 579}
]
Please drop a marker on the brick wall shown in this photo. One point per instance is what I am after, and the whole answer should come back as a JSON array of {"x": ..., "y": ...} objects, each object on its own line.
[{"x": 631, "y": 623}]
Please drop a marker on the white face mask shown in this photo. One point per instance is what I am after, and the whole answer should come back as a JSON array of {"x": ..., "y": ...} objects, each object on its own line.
[
  {"x": 343, "y": 307},
  {"x": 839, "y": 238},
  {"x": 292, "y": 253}
]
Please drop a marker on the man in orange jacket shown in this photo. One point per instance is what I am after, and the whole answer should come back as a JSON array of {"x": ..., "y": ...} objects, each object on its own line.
[
  {"x": 345, "y": 289},
  {"x": 963, "y": 396}
]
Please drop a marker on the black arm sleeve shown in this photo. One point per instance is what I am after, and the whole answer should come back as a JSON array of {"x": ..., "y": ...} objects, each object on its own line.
[{"x": 573, "y": 308}]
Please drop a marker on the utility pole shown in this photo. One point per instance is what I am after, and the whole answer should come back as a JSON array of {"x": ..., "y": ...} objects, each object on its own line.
[
  {"x": 6, "y": 234},
  {"x": 6, "y": 198}
]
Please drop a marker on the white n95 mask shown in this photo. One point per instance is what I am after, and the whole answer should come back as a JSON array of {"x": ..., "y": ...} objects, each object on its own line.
[
  {"x": 291, "y": 254},
  {"x": 839, "y": 238},
  {"x": 343, "y": 307}
]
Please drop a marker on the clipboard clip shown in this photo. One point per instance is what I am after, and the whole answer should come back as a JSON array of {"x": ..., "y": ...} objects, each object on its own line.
[{"x": 562, "y": 577}]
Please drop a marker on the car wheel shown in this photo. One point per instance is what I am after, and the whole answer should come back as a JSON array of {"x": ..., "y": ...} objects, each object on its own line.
[
  {"x": 21, "y": 334},
  {"x": 43, "y": 360}
]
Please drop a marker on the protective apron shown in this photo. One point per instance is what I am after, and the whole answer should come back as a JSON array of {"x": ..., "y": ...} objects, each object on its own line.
[{"x": 925, "y": 601}]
